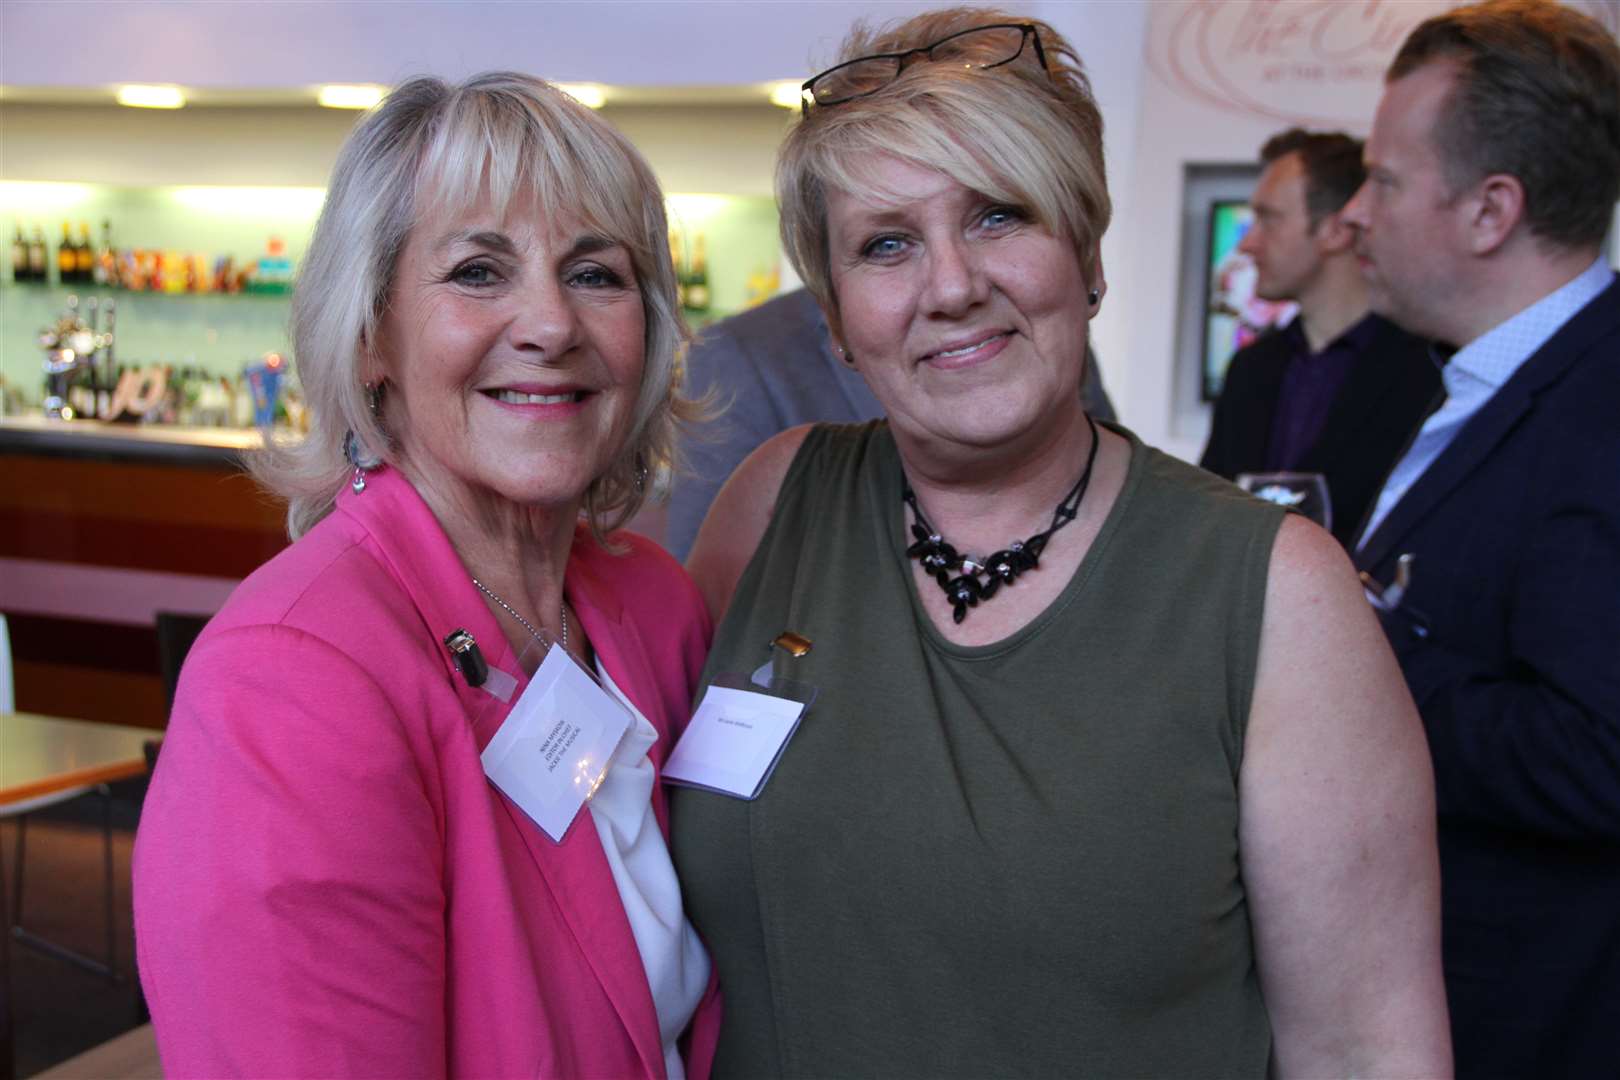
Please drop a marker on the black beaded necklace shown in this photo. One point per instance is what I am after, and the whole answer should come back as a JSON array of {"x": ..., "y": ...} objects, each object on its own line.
[{"x": 940, "y": 560}]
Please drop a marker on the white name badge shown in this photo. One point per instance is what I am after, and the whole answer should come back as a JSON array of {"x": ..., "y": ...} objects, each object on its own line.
[
  {"x": 553, "y": 748},
  {"x": 733, "y": 742}
]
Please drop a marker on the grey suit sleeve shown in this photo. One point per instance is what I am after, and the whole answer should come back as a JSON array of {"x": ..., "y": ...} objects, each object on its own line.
[{"x": 718, "y": 366}]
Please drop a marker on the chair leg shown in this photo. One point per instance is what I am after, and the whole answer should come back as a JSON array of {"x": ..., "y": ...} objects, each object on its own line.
[
  {"x": 17, "y": 873},
  {"x": 107, "y": 871},
  {"x": 8, "y": 1030},
  {"x": 107, "y": 968}
]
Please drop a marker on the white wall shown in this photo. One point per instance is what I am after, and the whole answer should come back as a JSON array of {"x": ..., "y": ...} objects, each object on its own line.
[
  {"x": 1180, "y": 81},
  {"x": 291, "y": 43},
  {"x": 717, "y": 149},
  {"x": 1222, "y": 76},
  {"x": 106, "y": 144},
  {"x": 261, "y": 43},
  {"x": 1109, "y": 37}
]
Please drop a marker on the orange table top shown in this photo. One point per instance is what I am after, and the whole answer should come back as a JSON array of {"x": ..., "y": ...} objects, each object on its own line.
[{"x": 44, "y": 755}]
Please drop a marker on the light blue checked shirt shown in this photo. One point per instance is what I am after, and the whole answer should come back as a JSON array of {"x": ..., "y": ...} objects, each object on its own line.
[{"x": 1477, "y": 371}]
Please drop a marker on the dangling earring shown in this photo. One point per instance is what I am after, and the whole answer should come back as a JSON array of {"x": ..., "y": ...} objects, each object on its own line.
[
  {"x": 355, "y": 451},
  {"x": 640, "y": 474},
  {"x": 355, "y": 454}
]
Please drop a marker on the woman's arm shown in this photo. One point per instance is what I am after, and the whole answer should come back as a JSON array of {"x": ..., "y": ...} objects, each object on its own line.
[
  {"x": 738, "y": 518},
  {"x": 289, "y": 872},
  {"x": 1337, "y": 832}
]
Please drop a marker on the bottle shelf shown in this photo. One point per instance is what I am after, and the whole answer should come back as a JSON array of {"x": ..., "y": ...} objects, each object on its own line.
[{"x": 52, "y": 289}]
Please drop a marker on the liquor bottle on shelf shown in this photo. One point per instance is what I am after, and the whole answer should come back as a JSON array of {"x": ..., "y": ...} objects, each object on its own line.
[
  {"x": 274, "y": 271},
  {"x": 82, "y": 394},
  {"x": 67, "y": 262},
  {"x": 19, "y": 255},
  {"x": 66, "y": 344},
  {"x": 84, "y": 257},
  {"x": 134, "y": 269},
  {"x": 697, "y": 283},
  {"x": 176, "y": 272},
  {"x": 107, "y": 377},
  {"x": 36, "y": 256},
  {"x": 106, "y": 260},
  {"x": 241, "y": 414},
  {"x": 678, "y": 257}
]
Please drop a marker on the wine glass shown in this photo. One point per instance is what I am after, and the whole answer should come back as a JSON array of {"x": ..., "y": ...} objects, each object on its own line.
[{"x": 1302, "y": 492}]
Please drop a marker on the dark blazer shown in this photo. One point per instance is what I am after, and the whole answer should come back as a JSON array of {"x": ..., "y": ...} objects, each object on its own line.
[
  {"x": 1383, "y": 400},
  {"x": 1515, "y": 532}
]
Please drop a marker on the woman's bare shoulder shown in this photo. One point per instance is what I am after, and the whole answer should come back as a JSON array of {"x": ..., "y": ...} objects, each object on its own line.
[{"x": 739, "y": 516}]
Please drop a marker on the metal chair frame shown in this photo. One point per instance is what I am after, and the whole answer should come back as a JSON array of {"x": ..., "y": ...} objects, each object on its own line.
[{"x": 107, "y": 968}]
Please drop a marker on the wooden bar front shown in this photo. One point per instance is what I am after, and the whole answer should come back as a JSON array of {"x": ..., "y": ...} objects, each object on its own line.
[{"x": 101, "y": 527}]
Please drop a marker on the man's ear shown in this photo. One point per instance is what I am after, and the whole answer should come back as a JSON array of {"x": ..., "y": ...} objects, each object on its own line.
[
  {"x": 1334, "y": 235},
  {"x": 1493, "y": 211}
]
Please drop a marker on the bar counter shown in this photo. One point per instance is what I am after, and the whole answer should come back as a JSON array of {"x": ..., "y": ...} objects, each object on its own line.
[
  {"x": 102, "y": 526},
  {"x": 126, "y": 442}
]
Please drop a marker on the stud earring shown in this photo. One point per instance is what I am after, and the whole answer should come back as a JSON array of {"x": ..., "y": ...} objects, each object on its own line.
[
  {"x": 845, "y": 358},
  {"x": 1095, "y": 297}
]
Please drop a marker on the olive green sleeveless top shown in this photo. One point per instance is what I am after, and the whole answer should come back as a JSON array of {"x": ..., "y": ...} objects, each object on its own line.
[{"x": 1018, "y": 859}]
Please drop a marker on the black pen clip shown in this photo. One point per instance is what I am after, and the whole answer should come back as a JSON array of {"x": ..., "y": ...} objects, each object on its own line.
[{"x": 468, "y": 657}]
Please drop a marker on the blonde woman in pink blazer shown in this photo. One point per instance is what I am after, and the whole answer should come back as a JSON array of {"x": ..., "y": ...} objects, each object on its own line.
[{"x": 326, "y": 881}]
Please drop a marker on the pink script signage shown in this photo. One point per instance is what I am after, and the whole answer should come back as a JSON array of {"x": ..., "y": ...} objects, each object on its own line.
[{"x": 1314, "y": 62}]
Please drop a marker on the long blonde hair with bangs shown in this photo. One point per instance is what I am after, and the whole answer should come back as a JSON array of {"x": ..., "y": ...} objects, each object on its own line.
[
  {"x": 1014, "y": 133},
  {"x": 432, "y": 144}
]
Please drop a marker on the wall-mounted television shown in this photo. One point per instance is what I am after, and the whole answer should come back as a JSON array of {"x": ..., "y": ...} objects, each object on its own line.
[{"x": 1233, "y": 315}]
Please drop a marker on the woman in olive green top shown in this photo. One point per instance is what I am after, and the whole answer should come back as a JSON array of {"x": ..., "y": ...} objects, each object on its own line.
[{"x": 1140, "y": 793}]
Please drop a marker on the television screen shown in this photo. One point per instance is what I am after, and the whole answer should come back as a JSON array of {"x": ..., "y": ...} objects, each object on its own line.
[{"x": 1233, "y": 314}]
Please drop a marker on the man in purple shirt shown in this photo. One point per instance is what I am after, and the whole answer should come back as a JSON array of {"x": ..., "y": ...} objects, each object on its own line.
[{"x": 1338, "y": 391}]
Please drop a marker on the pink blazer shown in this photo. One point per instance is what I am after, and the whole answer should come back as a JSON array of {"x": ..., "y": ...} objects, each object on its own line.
[{"x": 325, "y": 882}]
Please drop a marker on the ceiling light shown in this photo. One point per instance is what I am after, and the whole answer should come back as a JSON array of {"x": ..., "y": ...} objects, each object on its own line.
[
  {"x": 340, "y": 96},
  {"x": 42, "y": 196},
  {"x": 590, "y": 95},
  {"x": 693, "y": 210},
  {"x": 151, "y": 97},
  {"x": 787, "y": 93},
  {"x": 262, "y": 202}
]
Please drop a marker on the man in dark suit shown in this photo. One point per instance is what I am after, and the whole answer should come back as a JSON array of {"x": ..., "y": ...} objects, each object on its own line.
[
  {"x": 1493, "y": 551},
  {"x": 1338, "y": 390},
  {"x": 772, "y": 368}
]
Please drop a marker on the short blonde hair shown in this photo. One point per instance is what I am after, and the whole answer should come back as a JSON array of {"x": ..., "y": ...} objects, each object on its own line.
[
  {"x": 432, "y": 144},
  {"x": 1015, "y": 133}
]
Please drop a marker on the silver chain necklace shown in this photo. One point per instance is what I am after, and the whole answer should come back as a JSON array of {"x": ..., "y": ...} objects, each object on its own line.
[{"x": 510, "y": 610}]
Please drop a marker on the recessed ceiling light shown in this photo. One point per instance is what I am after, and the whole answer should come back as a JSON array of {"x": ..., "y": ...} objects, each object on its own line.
[
  {"x": 590, "y": 95},
  {"x": 43, "y": 195},
  {"x": 787, "y": 93},
  {"x": 294, "y": 202},
  {"x": 341, "y": 96},
  {"x": 151, "y": 97}
]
